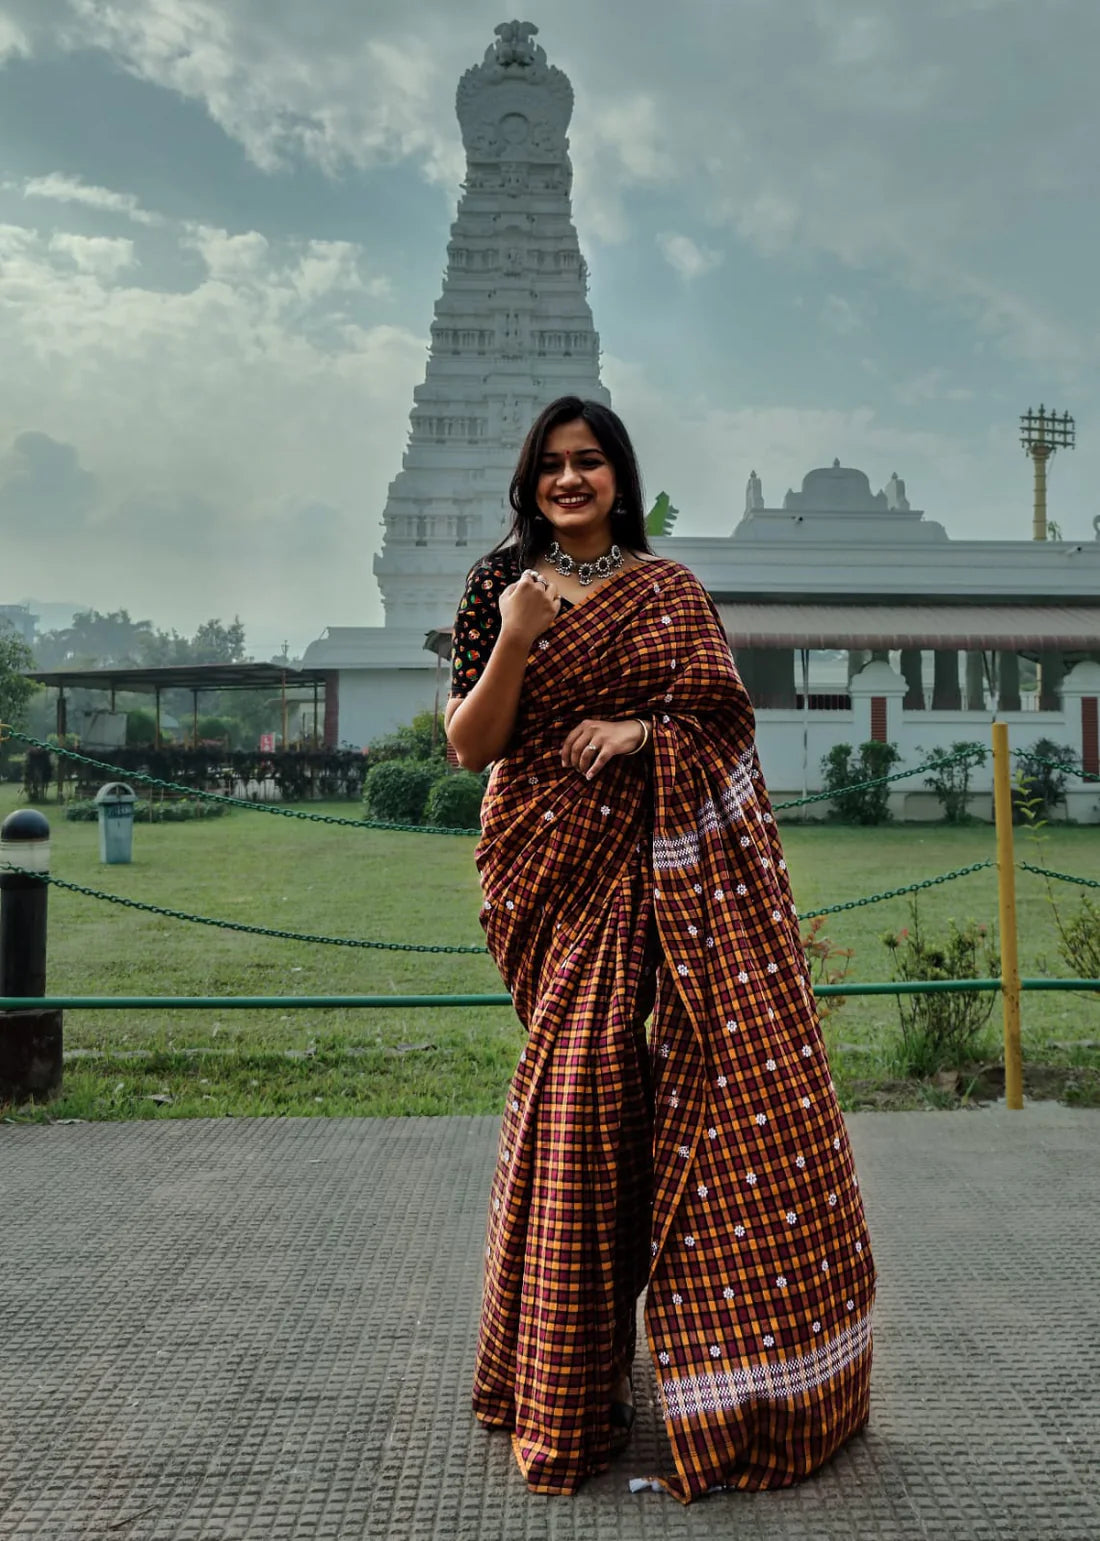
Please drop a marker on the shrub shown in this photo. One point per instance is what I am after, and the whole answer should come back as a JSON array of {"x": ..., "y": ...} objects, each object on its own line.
[
  {"x": 454, "y": 801},
  {"x": 297, "y": 773},
  {"x": 828, "y": 964},
  {"x": 843, "y": 771},
  {"x": 37, "y": 774},
  {"x": 183, "y": 810},
  {"x": 1079, "y": 930},
  {"x": 397, "y": 790},
  {"x": 949, "y": 777},
  {"x": 217, "y": 730},
  {"x": 413, "y": 741},
  {"x": 1042, "y": 786},
  {"x": 1079, "y": 939},
  {"x": 942, "y": 1031},
  {"x": 141, "y": 727}
]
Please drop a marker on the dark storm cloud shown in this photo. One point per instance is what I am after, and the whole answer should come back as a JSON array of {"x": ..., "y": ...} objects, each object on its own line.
[{"x": 43, "y": 487}]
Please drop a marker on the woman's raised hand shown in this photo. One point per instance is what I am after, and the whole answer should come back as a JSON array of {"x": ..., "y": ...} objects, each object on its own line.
[
  {"x": 529, "y": 606},
  {"x": 593, "y": 742}
]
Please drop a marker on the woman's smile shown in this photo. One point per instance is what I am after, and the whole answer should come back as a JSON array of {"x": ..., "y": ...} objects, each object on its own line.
[{"x": 576, "y": 488}]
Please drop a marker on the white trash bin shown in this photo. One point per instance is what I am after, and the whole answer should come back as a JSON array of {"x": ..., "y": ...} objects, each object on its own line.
[{"x": 116, "y": 802}]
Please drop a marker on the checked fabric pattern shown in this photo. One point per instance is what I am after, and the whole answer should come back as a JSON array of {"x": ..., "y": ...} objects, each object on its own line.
[{"x": 711, "y": 1162}]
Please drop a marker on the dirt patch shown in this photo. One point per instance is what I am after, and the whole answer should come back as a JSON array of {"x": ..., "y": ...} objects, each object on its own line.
[
  {"x": 977, "y": 1086},
  {"x": 882, "y": 1096}
]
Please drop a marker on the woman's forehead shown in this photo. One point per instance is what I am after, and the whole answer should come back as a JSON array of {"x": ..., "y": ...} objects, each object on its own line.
[{"x": 570, "y": 436}]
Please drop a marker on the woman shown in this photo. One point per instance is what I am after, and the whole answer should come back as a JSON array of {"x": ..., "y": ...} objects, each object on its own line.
[{"x": 631, "y": 870}]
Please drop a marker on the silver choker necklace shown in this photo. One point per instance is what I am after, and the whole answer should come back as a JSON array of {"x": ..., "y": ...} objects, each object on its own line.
[{"x": 586, "y": 572}]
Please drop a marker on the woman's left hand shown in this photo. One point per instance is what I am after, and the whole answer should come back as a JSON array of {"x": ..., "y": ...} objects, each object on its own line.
[{"x": 593, "y": 742}]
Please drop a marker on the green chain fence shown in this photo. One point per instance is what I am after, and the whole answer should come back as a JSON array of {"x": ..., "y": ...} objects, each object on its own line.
[
  {"x": 237, "y": 925},
  {"x": 1055, "y": 765},
  {"x": 279, "y": 934},
  {"x": 479, "y": 951},
  {"x": 1061, "y": 877},
  {"x": 968, "y": 756},
  {"x": 897, "y": 893},
  {"x": 119, "y": 774},
  {"x": 419, "y": 829}
]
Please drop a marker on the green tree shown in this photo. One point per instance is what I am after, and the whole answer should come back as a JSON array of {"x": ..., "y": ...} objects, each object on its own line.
[
  {"x": 217, "y": 728},
  {"x": 213, "y": 642},
  {"x": 141, "y": 727},
  {"x": 15, "y": 689},
  {"x": 94, "y": 637}
]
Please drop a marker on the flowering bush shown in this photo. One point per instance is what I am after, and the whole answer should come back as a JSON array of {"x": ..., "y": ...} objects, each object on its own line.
[
  {"x": 828, "y": 964},
  {"x": 942, "y": 1030}
]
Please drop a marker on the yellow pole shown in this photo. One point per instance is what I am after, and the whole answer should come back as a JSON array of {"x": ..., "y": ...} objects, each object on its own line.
[
  {"x": 1006, "y": 895},
  {"x": 1040, "y": 453}
]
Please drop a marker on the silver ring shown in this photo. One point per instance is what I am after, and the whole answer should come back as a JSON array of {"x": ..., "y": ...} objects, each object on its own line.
[
  {"x": 588, "y": 748},
  {"x": 529, "y": 572}
]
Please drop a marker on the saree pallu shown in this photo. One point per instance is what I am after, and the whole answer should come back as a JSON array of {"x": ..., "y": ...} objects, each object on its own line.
[{"x": 709, "y": 1167}]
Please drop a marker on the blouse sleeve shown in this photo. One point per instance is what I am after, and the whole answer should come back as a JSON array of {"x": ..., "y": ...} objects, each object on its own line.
[{"x": 477, "y": 624}]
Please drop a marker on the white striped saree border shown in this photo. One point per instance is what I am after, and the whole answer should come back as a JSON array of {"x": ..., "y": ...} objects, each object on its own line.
[{"x": 779, "y": 1380}]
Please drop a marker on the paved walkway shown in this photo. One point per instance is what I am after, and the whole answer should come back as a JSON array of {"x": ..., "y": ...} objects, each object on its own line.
[{"x": 263, "y": 1329}]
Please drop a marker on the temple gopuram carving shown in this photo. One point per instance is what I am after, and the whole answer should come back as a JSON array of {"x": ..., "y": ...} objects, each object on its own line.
[{"x": 512, "y": 330}]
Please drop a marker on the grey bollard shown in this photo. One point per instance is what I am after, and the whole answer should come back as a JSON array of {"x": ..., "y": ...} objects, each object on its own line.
[
  {"x": 115, "y": 803},
  {"x": 30, "y": 1040}
]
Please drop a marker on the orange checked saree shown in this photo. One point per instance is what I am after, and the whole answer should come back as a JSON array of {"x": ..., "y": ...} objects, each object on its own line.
[{"x": 709, "y": 1167}]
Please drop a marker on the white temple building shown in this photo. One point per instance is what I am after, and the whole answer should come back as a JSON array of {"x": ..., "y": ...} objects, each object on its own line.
[
  {"x": 851, "y": 615},
  {"x": 512, "y": 330}
]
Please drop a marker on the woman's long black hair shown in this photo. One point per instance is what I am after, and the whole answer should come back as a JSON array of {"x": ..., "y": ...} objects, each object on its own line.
[{"x": 531, "y": 532}]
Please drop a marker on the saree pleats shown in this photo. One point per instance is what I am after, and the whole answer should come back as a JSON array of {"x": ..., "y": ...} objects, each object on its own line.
[
  {"x": 566, "y": 1257},
  {"x": 714, "y": 1160}
]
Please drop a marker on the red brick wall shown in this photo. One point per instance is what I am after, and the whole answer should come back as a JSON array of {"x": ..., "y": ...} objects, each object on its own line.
[
  {"x": 332, "y": 709},
  {"x": 1090, "y": 737},
  {"x": 878, "y": 719}
]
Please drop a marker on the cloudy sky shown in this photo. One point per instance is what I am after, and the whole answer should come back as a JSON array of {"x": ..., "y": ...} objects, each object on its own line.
[{"x": 861, "y": 228}]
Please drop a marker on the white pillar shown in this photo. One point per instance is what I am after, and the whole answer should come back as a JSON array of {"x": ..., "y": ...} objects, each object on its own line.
[
  {"x": 877, "y": 692},
  {"x": 1081, "y": 705}
]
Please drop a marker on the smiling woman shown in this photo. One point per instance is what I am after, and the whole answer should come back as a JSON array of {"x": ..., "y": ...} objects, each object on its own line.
[
  {"x": 578, "y": 519},
  {"x": 632, "y": 873}
]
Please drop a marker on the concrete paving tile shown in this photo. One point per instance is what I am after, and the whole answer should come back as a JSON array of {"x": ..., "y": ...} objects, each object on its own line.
[{"x": 253, "y": 1329}]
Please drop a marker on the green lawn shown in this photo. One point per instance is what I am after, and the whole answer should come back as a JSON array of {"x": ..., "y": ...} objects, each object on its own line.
[{"x": 423, "y": 888}]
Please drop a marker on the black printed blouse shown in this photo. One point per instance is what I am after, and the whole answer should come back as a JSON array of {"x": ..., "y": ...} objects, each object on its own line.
[{"x": 477, "y": 624}]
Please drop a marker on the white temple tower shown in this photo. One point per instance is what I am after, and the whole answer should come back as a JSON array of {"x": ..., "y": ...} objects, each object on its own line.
[{"x": 512, "y": 330}]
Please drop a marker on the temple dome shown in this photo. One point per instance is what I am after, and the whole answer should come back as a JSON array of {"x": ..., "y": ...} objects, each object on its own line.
[
  {"x": 835, "y": 505},
  {"x": 836, "y": 489}
]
